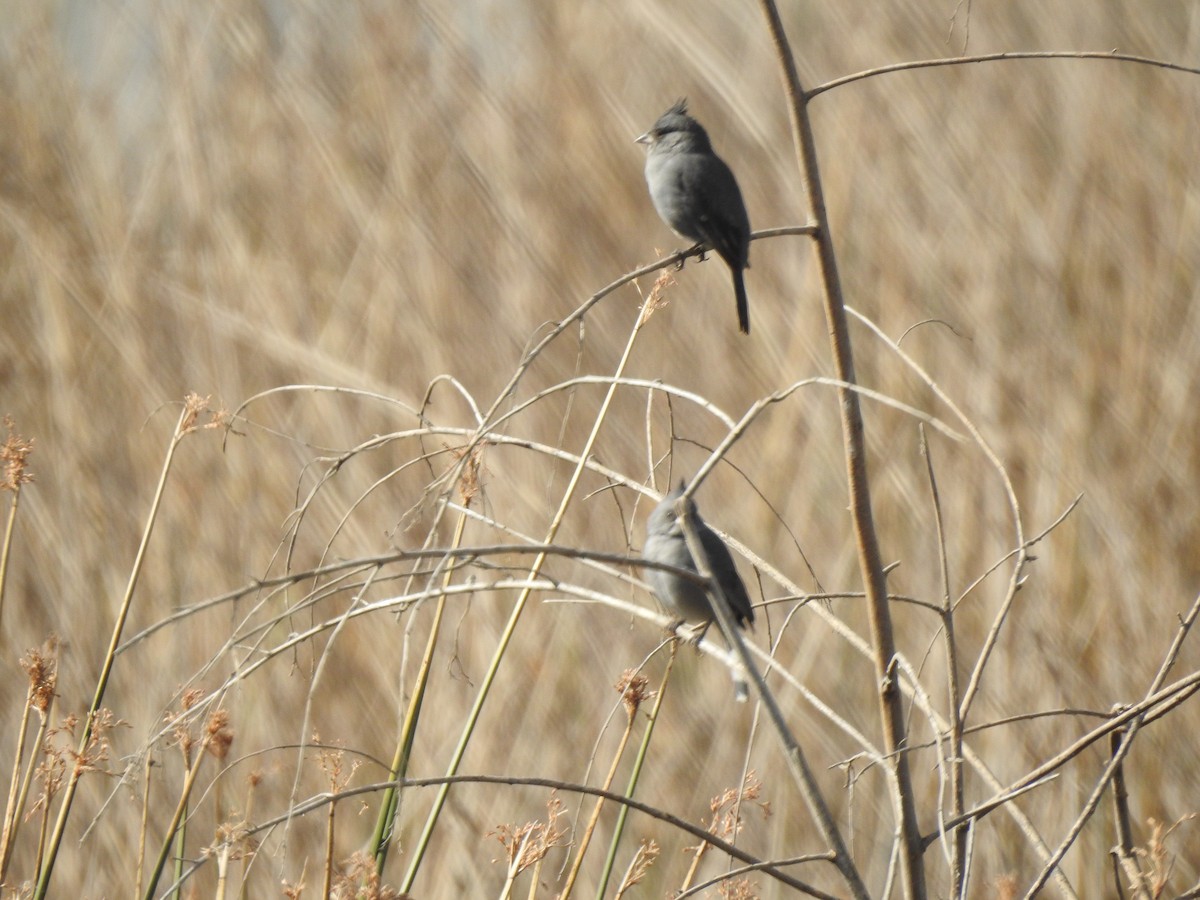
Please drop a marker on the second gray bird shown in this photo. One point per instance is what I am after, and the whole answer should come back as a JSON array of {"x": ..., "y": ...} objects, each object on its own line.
[
  {"x": 666, "y": 543},
  {"x": 696, "y": 194}
]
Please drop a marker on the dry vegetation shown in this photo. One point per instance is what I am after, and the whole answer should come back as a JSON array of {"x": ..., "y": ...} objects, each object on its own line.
[{"x": 350, "y": 222}]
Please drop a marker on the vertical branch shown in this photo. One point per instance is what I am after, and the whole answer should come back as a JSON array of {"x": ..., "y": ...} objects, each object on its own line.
[
  {"x": 890, "y": 707},
  {"x": 958, "y": 865},
  {"x": 1123, "y": 852}
]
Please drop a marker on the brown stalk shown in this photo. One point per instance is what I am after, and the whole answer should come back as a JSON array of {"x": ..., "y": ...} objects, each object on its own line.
[
  {"x": 215, "y": 736},
  {"x": 187, "y": 420},
  {"x": 329, "y": 833},
  {"x": 632, "y": 694},
  {"x": 639, "y": 762},
  {"x": 14, "y": 455},
  {"x": 11, "y": 813},
  {"x": 143, "y": 827},
  {"x": 870, "y": 562}
]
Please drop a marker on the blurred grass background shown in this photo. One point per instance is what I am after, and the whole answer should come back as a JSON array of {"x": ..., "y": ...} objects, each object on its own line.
[{"x": 232, "y": 197}]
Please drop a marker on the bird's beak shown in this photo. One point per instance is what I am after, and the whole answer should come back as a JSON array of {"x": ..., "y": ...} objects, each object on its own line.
[{"x": 644, "y": 139}]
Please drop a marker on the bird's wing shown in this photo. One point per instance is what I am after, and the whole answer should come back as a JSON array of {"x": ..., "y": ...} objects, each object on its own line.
[
  {"x": 727, "y": 575},
  {"x": 719, "y": 208}
]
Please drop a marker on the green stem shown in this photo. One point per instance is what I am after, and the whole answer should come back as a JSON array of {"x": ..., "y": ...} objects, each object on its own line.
[
  {"x": 386, "y": 822},
  {"x": 511, "y": 626}
]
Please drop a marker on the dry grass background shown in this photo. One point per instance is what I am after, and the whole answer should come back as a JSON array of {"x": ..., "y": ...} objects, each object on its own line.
[{"x": 227, "y": 198}]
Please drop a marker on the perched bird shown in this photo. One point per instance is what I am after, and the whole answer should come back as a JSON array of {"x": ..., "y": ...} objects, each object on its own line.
[
  {"x": 696, "y": 194},
  {"x": 666, "y": 543}
]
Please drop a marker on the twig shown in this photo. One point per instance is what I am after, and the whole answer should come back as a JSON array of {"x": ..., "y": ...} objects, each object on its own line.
[
  {"x": 1111, "y": 56},
  {"x": 959, "y": 847},
  {"x": 1123, "y": 851},
  {"x": 1134, "y": 725}
]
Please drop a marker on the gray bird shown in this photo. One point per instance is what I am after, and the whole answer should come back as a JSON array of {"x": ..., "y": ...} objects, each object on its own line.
[
  {"x": 666, "y": 543},
  {"x": 696, "y": 194}
]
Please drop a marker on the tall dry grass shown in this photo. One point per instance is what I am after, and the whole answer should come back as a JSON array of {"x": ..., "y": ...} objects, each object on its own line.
[{"x": 237, "y": 198}]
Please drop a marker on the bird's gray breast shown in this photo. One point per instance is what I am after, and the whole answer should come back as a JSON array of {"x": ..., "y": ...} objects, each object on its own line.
[{"x": 677, "y": 189}]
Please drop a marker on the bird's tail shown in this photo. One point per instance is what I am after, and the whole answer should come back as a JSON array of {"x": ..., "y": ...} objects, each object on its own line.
[
  {"x": 743, "y": 306},
  {"x": 741, "y": 690},
  {"x": 738, "y": 674}
]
